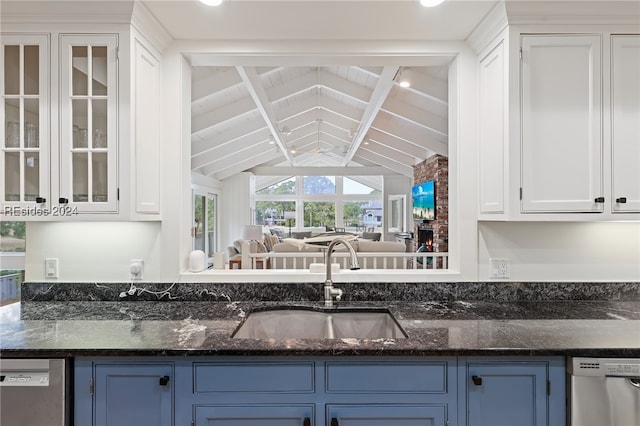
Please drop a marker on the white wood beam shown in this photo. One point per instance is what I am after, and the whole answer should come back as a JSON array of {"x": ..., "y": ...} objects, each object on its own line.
[
  {"x": 421, "y": 117},
  {"x": 328, "y": 171},
  {"x": 412, "y": 133},
  {"x": 223, "y": 114},
  {"x": 251, "y": 78},
  {"x": 379, "y": 95},
  {"x": 241, "y": 165},
  {"x": 209, "y": 84},
  {"x": 223, "y": 152},
  {"x": 397, "y": 167},
  {"x": 201, "y": 146}
]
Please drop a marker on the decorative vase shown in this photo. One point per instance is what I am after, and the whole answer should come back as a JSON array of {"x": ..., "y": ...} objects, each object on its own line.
[{"x": 422, "y": 249}]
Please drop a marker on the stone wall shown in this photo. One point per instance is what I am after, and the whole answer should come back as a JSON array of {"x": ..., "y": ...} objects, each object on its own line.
[{"x": 436, "y": 168}]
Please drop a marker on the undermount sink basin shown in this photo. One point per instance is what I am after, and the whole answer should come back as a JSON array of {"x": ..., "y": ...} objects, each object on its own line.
[{"x": 315, "y": 323}]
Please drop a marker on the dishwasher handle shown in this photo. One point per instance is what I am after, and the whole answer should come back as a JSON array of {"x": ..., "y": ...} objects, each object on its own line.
[{"x": 635, "y": 382}]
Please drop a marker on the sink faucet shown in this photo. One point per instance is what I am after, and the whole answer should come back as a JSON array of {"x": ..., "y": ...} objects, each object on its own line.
[{"x": 329, "y": 291}]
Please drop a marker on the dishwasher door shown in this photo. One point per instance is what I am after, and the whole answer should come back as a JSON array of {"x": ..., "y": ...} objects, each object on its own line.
[
  {"x": 606, "y": 392},
  {"x": 33, "y": 392}
]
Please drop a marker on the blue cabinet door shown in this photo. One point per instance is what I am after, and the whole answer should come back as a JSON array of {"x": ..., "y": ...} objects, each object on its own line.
[
  {"x": 507, "y": 394},
  {"x": 254, "y": 415},
  {"x": 133, "y": 395},
  {"x": 386, "y": 415}
]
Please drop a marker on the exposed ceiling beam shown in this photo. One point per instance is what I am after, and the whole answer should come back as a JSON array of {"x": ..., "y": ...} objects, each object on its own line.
[
  {"x": 251, "y": 78},
  {"x": 327, "y": 171},
  {"x": 379, "y": 95},
  {"x": 387, "y": 163}
]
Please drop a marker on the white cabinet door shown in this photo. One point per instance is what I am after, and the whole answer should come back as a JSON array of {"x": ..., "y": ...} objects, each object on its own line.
[
  {"x": 493, "y": 134},
  {"x": 24, "y": 136},
  {"x": 88, "y": 122},
  {"x": 625, "y": 123},
  {"x": 561, "y": 147}
]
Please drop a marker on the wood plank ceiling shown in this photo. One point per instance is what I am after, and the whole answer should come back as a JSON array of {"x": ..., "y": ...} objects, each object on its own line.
[{"x": 253, "y": 118}]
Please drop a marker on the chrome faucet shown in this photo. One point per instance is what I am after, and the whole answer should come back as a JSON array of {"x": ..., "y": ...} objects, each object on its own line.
[{"x": 329, "y": 291}]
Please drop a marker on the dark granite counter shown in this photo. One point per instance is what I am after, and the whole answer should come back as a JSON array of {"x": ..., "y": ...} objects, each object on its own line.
[
  {"x": 180, "y": 319},
  {"x": 189, "y": 328}
]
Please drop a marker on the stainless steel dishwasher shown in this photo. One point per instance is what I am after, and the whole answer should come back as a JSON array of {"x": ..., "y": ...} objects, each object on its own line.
[
  {"x": 33, "y": 392},
  {"x": 604, "y": 391}
]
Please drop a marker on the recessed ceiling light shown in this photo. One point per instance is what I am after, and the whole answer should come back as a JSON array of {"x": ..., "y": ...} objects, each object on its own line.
[
  {"x": 211, "y": 2},
  {"x": 427, "y": 3}
]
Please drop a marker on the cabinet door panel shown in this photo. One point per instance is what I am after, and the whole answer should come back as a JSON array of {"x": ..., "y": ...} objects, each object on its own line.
[
  {"x": 561, "y": 124},
  {"x": 254, "y": 415},
  {"x": 507, "y": 395},
  {"x": 88, "y": 122},
  {"x": 24, "y": 131},
  {"x": 493, "y": 118},
  {"x": 386, "y": 415},
  {"x": 132, "y": 395},
  {"x": 625, "y": 125}
]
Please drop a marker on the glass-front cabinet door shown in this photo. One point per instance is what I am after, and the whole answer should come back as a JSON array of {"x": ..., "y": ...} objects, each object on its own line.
[
  {"x": 88, "y": 122},
  {"x": 24, "y": 136}
]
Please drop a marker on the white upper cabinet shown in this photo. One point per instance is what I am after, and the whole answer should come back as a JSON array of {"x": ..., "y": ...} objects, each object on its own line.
[
  {"x": 24, "y": 136},
  {"x": 80, "y": 138},
  {"x": 561, "y": 126},
  {"x": 88, "y": 116},
  {"x": 625, "y": 123}
]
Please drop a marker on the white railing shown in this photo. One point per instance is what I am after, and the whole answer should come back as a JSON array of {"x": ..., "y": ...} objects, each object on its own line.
[{"x": 367, "y": 260}]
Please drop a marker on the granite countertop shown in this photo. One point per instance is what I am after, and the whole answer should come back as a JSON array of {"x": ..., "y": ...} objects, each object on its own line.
[{"x": 457, "y": 328}]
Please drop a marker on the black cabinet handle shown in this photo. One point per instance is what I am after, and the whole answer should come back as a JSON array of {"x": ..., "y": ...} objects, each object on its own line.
[
  {"x": 63, "y": 200},
  {"x": 334, "y": 421},
  {"x": 599, "y": 200},
  {"x": 164, "y": 380},
  {"x": 41, "y": 200},
  {"x": 477, "y": 380},
  {"x": 306, "y": 421},
  {"x": 621, "y": 200}
]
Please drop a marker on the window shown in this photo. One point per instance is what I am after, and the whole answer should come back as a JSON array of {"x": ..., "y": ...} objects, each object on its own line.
[
  {"x": 12, "y": 248},
  {"x": 204, "y": 223},
  {"x": 319, "y": 202}
]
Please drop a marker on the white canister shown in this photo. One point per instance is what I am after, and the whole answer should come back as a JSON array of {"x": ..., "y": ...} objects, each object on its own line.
[{"x": 197, "y": 261}]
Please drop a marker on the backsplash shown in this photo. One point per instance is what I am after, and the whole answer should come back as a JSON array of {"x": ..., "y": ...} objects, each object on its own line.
[{"x": 312, "y": 292}]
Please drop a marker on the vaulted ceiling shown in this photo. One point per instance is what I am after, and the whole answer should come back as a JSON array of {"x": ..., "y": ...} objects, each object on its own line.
[
  {"x": 338, "y": 113},
  {"x": 247, "y": 117}
]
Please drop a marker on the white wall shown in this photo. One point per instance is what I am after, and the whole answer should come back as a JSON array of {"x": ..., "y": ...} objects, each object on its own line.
[
  {"x": 555, "y": 251},
  {"x": 93, "y": 251},
  {"x": 396, "y": 185}
]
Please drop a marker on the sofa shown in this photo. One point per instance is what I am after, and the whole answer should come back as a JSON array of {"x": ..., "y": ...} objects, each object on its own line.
[{"x": 315, "y": 254}]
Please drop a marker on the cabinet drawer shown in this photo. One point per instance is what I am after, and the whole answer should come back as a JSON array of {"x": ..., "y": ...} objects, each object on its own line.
[
  {"x": 294, "y": 377},
  {"x": 382, "y": 377}
]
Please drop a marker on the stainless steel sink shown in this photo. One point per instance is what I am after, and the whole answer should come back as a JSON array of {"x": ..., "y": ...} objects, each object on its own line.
[{"x": 315, "y": 323}]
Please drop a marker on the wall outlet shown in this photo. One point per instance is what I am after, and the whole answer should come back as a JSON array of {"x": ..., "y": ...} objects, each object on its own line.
[
  {"x": 499, "y": 268},
  {"x": 51, "y": 267},
  {"x": 136, "y": 267}
]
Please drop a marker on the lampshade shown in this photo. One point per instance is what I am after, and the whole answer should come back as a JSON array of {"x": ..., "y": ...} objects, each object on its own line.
[{"x": 252, "y": 232}]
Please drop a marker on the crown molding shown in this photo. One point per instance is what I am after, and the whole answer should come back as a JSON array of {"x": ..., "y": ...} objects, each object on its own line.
[
  {"x": 597, "y": 12},
  {"x": 66, "y": 12},
  {"x": 149, "y": 27},
  {"x": 489, "y": 28}
]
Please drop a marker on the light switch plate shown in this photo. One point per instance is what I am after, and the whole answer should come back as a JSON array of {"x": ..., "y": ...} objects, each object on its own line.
[{"x": 51, "y": 267}]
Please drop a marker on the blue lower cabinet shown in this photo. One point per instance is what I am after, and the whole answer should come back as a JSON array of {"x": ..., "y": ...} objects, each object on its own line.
[
  {"x": 124, "y": 395},
  {"x": 386, "y": 415},
  {"x": 254, "y": 415},
  {"x": 507, "y": 393}
]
